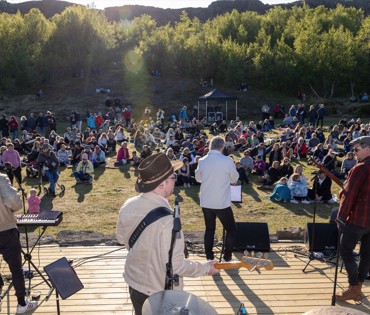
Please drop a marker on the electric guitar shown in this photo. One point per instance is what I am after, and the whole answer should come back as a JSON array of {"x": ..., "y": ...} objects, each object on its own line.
[
  {"x": 250, "y": 263},
  {"x": 326, "y": 172}
]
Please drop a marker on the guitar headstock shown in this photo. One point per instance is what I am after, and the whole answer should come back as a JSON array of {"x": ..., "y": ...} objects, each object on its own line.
[{"x": 254, "y": 263}]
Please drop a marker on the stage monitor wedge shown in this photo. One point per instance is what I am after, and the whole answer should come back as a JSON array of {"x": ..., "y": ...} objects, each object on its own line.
[
  {"x": 252, "y": 236},
  {"x": 324, "y": 238}
]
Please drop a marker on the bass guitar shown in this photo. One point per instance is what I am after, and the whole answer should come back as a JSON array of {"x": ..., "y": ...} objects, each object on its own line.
[
  {"x": 334, "y": 178},
  {"x": 250, "y": 263}
]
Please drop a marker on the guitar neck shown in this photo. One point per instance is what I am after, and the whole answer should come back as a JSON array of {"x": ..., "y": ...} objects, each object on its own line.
[
  {"x": 326, "y": 172},
  {"x": 228, "y": 265}
]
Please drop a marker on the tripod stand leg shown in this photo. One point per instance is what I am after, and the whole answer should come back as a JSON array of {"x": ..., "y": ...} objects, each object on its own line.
[{"x": 308, "y": 263}]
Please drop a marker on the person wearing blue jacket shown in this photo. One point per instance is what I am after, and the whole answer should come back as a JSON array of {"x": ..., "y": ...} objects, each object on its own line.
[{"x": 281, "y": 191}]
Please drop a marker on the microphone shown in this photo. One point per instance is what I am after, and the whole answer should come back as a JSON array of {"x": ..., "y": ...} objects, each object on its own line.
[
  {"x": 177, "y": 208},
  {"x": 177, "y": 221}
]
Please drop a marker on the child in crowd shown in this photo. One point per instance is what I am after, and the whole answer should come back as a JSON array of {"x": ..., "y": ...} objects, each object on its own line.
[
  {"x": 184, "y": 173},
  {"x": 243, "y": 177},
  {"x": 259, "y": 166},
  {"x": 33, "y": 202},
  {"x": 135, "y": 160},
  {"x": 281, "y": 191},
  {"x": 298, "y": 190}
]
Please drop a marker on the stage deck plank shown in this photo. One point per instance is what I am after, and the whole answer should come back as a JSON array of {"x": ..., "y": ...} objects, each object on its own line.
[{"x": 282, "y": 290}]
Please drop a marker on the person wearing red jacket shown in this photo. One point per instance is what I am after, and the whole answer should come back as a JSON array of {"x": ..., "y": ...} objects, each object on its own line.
[
  {"x": 300, "y": 150},
  {"x": 123, "y": 155},
  {"x": 13, "y": 126}
]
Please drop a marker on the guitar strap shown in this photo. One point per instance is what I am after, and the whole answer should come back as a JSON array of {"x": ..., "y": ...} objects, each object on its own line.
[{"x": 151, "y": 217}]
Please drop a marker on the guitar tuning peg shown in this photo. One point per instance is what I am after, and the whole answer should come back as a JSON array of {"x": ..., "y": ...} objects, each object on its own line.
[
  {"x": 259, "y": 255},
  {"x": 266, "y": 255}
]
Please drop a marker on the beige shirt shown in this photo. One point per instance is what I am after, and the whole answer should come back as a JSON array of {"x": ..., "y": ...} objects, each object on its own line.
[
  {"x": 10, "y": 202},
  {"x": 145, "y": 268}
]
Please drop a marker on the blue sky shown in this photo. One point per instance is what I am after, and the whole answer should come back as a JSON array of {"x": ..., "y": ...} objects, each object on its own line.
[{"x": 100, "y": 4}]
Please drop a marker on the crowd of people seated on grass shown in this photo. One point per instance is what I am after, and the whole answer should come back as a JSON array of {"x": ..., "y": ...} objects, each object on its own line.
[{"x": 128, "y": 142}]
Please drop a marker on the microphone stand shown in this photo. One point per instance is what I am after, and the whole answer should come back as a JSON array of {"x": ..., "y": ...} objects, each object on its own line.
[
  {"x": 313, "y": 256},
  {"x": 170, "y": 277}
]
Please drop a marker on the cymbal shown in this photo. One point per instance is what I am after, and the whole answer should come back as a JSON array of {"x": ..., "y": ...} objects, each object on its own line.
[
  {"x": 334, "y": 310},
  {"x": 172, "y": 302}
]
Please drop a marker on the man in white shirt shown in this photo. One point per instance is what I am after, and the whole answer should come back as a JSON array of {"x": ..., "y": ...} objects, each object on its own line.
[{"x": 216, "y": 172}]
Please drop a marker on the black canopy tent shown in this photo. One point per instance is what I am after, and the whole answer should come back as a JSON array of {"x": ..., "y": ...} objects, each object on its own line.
[{"x": 218, "y": 96}]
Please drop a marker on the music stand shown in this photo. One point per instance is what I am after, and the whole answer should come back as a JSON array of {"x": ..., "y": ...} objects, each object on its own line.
[{"x": 63, "y": 279}]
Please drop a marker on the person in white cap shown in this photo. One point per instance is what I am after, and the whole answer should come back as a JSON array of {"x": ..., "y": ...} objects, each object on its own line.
[{"x": 84, "y": 170}]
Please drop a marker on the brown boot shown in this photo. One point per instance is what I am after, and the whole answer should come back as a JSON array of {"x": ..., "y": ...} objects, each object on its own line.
[{"x": 352, "y": 293}]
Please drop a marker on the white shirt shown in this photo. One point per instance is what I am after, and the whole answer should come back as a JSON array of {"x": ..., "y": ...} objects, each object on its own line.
[{"x": 216, "y": 172}]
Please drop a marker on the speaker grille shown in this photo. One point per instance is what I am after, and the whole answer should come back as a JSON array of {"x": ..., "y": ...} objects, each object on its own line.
[
  {"x": 325, "y": 236},
  {"x": 252, "y": 236}
]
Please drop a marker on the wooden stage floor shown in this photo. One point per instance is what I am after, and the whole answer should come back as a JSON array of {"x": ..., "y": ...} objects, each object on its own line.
[{"x": 283, "y": 290}]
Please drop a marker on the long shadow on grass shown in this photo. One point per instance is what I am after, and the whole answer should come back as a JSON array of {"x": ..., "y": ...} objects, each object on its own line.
[
  {"x": 82, "y": 190},
  {"x": 99, "y": 171},
  {"x": 192, "y": 192}
]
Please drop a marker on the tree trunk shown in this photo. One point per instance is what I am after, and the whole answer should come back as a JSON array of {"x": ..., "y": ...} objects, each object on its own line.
[
  {"x": 332, "y": 89},
  {"x": 352, "y": 84},
  {"x": 313, "y": 90}
]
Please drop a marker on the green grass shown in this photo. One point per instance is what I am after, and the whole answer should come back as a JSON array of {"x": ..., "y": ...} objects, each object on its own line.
[{"x": 96, "y": 207}]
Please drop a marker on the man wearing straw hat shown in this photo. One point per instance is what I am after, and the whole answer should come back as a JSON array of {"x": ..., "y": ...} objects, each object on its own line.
[{"x": 145, "y": 268}]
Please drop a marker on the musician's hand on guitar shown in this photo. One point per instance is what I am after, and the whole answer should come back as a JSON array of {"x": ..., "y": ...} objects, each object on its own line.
[{"x": 213, "y": 271}]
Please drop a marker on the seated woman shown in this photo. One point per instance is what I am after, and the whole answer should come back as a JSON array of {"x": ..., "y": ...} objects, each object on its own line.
[
  {"x": 259, "y": 166},
  {"x": 346, "y": 143},
  {"x": 275, "y": 154},
  {"x": 300, "y": 150},
  {"x": 298, "y": 189},
  {"x": 120, "y": 134},
  {"x": 229, "y": 145},
  {"x": 149, "y": 139},
  {"x": 123, "y": 155},
  {"x": 103, "y": 141},
  {"x": 347, "y": 164},
  {"x": 186, "y": 153},
  {"x": 281, "y": 191},
  {"x": 98, "y": 157},
  {"x": 286, "y": 150},
  {"x": 321, "y": 190},
  {"x": 111, "y": 143},
  {"x": 170, "y": 154},
  {"x": 243, "y": 177},
  {"x": 184, "y": 173},
  {"x": 63, "y": 155},
  {"x": 145, "y": 153},
  {"x": 247, "y": 162},
  {"x": 319, "y": 153},
  {"x": 298, "y": 170},
  {"x": 330, "y": 160},
  {"x": 271, "y": 177},
  {"x": 139, "y": 139},
  {"x": 286, "y": 169}
]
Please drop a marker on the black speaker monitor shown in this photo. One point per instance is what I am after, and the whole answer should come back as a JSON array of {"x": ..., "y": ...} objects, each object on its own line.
[
  {"x": 63, "y": 278},
  {"x": 325, "y": 236},
  {"x": 252, "y": 236}
]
